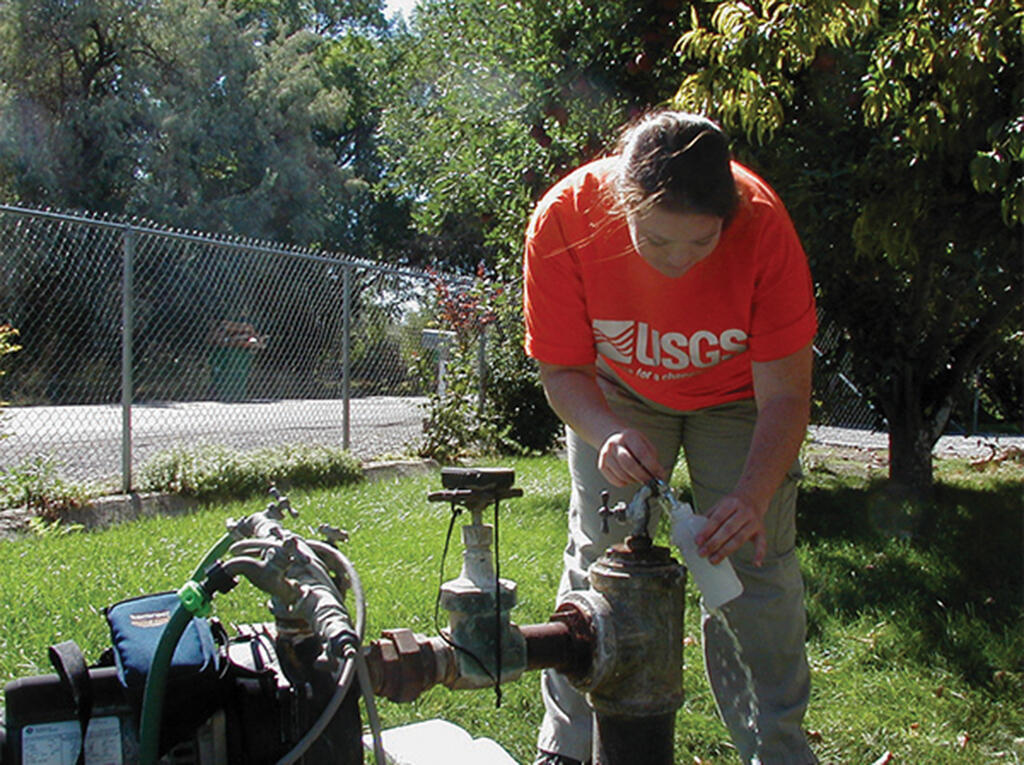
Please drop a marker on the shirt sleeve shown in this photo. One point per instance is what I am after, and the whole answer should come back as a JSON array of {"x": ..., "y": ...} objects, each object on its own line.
[
  {"x": 784, "y": 318},
  {"x": 558, "y": 327}
]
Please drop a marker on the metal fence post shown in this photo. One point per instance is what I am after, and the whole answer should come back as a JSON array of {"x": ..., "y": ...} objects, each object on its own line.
[
  {"x": 127, "y": 329},
  {"x": 346, "y": 345}
]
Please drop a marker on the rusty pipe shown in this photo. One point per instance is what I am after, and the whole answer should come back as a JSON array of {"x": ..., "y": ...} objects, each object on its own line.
[
  {"x": 403, "y": 664},
  {"x": 634, "y": 684},
  {"x": 620, "y": 642}
]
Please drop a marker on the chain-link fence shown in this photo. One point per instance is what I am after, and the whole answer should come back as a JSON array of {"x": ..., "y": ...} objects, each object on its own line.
[
  {"x": 227, "y": 341},
  {"x": 137, "y": 338},
  {"x": 837, "y": 402}
]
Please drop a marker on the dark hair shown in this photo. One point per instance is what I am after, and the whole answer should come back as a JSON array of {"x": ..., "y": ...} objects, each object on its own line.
[{"x": 677, "y": 160}]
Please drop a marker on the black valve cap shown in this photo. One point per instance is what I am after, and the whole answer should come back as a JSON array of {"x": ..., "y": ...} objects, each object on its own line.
[
  {"x": 218, "y": 580},
  {"x": 478, "y": 479}
]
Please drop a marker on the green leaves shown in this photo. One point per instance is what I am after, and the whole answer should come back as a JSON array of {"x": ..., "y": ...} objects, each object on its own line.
[
  {"x": 894, "y": 130},
  {"x": 998, "y": 170},
  {"x": 749, "y": 57}
]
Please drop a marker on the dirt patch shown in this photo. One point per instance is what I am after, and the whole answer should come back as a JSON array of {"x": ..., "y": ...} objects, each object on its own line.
[{"x": 859, "y": 461}]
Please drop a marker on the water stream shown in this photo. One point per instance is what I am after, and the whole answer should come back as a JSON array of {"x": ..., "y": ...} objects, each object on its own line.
[
  {"x": 743, "y": 703},
  {"x": 718, "y": 585}
]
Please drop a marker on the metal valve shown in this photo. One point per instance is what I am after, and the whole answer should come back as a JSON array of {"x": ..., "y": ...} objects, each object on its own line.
[
  {"x": 282, "y": 505},
  {"x": 637, "y": 511},
  {"x": 332, "y": 534},
  {"x": 618, "y": 512}
]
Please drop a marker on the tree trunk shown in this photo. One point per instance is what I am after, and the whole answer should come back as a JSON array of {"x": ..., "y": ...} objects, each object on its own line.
[{"x": 910, "y": 454}]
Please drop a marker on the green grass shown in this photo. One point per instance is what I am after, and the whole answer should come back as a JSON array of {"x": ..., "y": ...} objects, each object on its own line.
[{"x": 916, "y": 645}]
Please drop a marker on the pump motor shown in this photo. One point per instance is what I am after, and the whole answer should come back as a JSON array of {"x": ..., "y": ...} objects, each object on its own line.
[{"x": 250, "y": 712}]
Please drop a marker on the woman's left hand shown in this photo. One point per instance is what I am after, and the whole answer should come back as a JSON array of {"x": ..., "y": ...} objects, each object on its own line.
[
  {"x": 782, "y": 390},
  {"x": 732, "y": 522}
]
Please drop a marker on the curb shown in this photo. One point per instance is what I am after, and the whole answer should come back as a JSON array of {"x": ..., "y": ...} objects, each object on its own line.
[{"x": 103, "y": 512}]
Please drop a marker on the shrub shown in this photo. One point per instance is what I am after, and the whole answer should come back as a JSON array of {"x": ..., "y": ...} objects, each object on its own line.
[
  {"x": 216, "y": 471},
  {"x": 37, "y": 485},
  {"x": 512, "y": 416},
  {"x": 514, "y": 398}
]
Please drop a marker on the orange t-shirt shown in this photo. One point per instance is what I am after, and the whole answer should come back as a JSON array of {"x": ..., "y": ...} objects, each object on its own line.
[{"x": 686, "y": 343}]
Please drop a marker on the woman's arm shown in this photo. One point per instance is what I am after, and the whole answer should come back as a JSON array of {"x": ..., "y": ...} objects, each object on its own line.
[
  {"x": 782, "y": 390},
  {"x": 625, "y": 455}
]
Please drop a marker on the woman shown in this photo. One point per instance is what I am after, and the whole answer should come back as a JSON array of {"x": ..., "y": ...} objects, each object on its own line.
[{"x": 669, "y": 305}]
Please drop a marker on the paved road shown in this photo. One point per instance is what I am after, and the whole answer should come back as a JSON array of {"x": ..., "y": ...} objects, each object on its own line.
[
  {"x": 947, "y": 446},
  {"x": 86, "y": 440}
]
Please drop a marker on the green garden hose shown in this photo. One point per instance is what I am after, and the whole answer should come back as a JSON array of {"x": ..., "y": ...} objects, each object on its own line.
[
  {"x": 213, "y": 555},
  {"x": 156, "y": 680}
]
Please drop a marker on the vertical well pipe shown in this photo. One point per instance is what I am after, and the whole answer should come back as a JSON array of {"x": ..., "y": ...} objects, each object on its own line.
[
  {"x": 636, "y": 699},
  {"x": 626, "y": 740}
]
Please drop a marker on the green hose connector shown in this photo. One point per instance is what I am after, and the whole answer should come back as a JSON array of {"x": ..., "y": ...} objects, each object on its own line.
[{"x": 196, "y": 599}]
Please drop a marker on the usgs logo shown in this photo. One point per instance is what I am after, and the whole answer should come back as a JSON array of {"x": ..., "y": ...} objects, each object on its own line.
[{"x": 630, "y": 342}]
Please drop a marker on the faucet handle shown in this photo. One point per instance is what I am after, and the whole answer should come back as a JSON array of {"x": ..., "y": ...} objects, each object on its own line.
[{"x": 605, "y": 512}]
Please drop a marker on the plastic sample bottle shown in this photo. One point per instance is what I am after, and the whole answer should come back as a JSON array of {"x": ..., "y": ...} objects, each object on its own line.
[{"x": 717, "y": 582}]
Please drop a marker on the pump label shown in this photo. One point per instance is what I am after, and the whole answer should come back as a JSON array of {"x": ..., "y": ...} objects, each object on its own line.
[
  {"x": 149, "y": 619},
  {"x": 58, "y": 743}
]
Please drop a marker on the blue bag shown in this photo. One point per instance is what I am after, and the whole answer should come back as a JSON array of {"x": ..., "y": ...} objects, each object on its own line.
[{"x": 135, "y": 629}]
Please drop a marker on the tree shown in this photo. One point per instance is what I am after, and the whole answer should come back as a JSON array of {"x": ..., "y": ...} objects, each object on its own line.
[
  {"x": 895, "y": 133},
  {"x": 188, "y": 113},
  {"x": 497, "y": 100},
  {"x": 71, "y": 125}
]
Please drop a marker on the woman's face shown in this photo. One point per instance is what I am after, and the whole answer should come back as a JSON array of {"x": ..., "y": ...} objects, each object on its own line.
[{"x": 673, "y": 242}]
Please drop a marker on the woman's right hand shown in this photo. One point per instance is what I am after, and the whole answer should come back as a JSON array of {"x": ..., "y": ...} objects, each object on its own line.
[{"x": 627, "y": 456}]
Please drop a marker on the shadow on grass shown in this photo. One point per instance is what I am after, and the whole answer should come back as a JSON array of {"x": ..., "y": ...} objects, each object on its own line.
[{"x": 948, "y": 577}]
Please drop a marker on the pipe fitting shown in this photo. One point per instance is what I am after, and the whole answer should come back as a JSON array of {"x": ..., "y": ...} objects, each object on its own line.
[
  {"x": 635, "y": 611},
  {"x": 490, "y": 648},
  {"x": 402, "y": 664},
  {"x": 563, "y": 643}
]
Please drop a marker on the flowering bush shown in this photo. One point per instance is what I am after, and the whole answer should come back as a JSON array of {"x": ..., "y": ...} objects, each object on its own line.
[
  {"x": 7, "y": 345},
  {"x": 492, "y": 401}
]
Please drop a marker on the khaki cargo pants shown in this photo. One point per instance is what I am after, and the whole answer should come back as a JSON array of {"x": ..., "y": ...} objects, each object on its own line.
[{"x": 768, "y": 618}]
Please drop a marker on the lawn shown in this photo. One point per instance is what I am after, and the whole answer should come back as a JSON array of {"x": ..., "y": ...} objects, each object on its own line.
[{"x": 916, "y": 642}]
